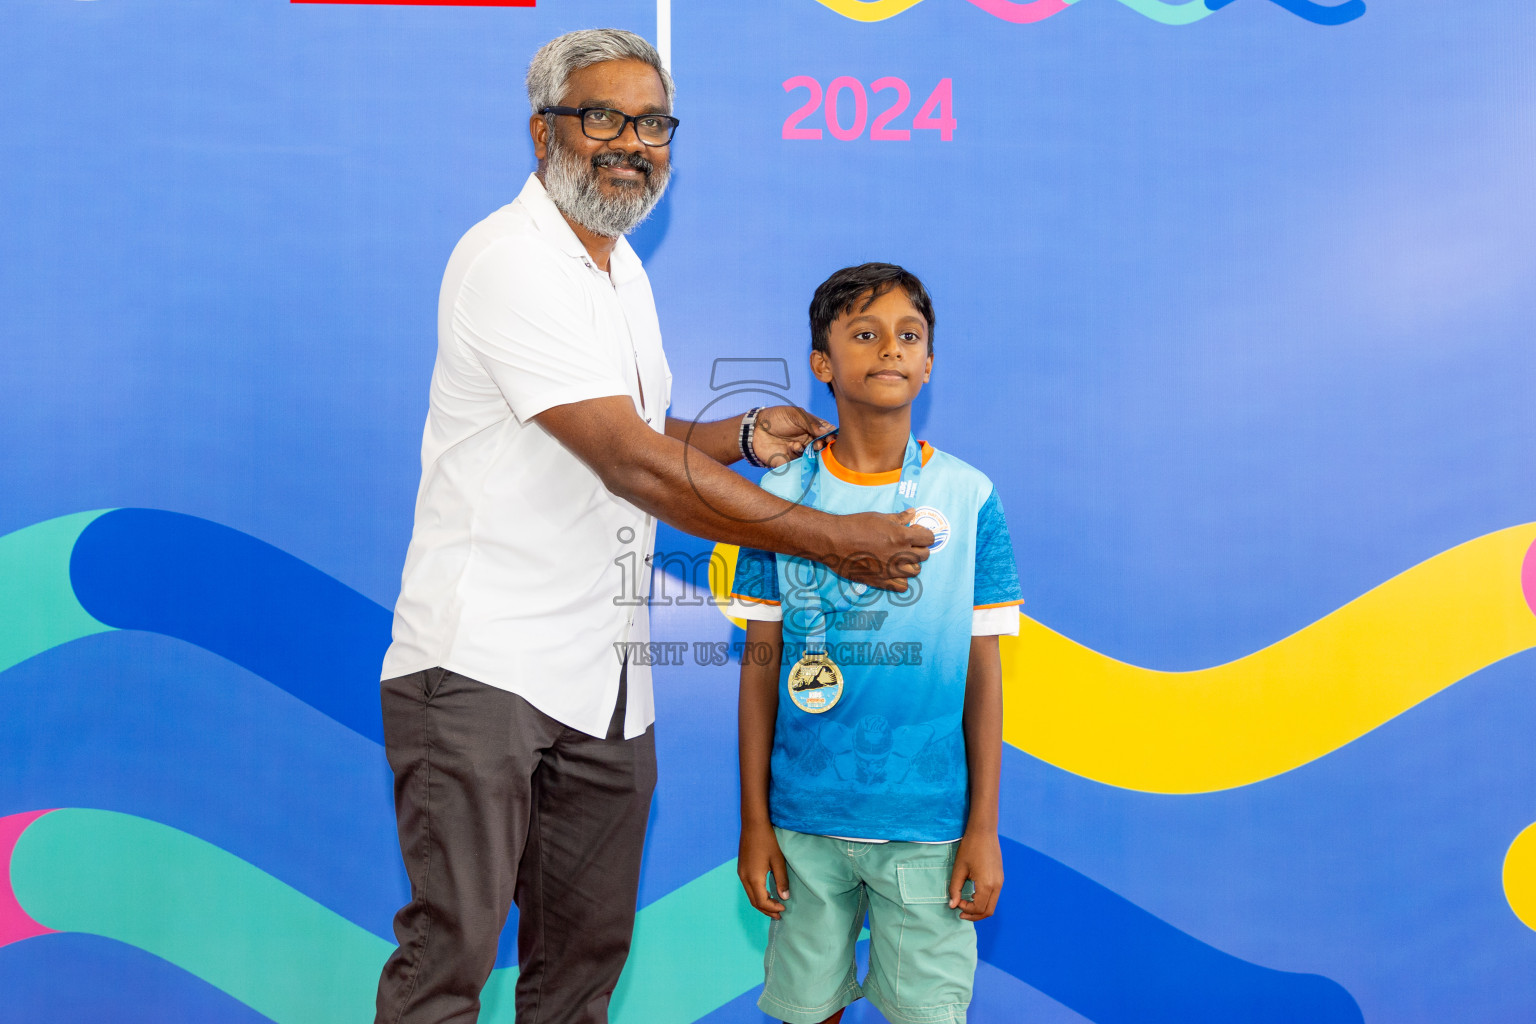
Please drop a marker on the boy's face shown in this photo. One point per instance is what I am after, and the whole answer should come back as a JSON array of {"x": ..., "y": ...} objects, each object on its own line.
[{"x": 876, "y": 356}]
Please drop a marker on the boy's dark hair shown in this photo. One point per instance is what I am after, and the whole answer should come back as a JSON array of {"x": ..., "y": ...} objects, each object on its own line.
[{"x": 839, "y": 294}]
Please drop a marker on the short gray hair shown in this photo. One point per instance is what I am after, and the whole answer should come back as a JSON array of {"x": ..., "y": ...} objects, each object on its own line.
[{"x": 559, "y": 58}]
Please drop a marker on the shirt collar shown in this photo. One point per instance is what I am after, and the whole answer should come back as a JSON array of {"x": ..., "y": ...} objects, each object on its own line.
[{"x": 623, "y": 263}]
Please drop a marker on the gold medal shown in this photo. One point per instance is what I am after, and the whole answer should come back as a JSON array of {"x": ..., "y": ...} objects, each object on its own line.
[{"x": 815, "y": 682}]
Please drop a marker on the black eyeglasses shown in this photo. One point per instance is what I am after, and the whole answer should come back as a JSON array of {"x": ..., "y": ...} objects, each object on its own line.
[{"x": 602, "y": 124}]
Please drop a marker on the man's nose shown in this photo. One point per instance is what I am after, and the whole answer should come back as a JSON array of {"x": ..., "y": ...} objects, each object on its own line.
[{"x": 629, "y": 138}]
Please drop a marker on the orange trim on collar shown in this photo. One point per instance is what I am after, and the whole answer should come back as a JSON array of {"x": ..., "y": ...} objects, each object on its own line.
[
  {"x": 1000, "y": 604},
  {"x": 847, "y": 475}
]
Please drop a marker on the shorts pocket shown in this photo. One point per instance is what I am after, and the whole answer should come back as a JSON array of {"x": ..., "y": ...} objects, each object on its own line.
[
  {"x": 924, "y": 882},
  {"x": 922, "y": 957}
]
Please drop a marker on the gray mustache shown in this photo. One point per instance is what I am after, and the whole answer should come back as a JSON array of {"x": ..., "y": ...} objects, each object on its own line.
[{"x": 612, "y": 159}]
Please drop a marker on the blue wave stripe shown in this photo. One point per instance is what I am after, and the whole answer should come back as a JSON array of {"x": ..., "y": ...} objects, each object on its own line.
[
  {"x": 241, "y": 598},
  {"x": 1316, "y": 13},
  {"x": 1115, "y": 963},
  {"x": 75, "y": 979}
]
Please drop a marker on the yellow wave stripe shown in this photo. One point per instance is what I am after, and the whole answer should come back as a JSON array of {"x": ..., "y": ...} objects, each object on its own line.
[
  {"x": 1283, "y": 706},
  {"x": 1278, "y": 708},
  {"x": 869, "y": 10},
  {"x": 720, "y": 583},
  {"x": 1520, "y": 876}
]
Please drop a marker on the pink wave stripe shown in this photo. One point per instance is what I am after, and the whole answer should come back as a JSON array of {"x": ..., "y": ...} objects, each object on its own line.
[
  {"x": 1528, "y": 578},
  {"x": 15, "y": 925},
  {"x": 1023, "y": 13}
]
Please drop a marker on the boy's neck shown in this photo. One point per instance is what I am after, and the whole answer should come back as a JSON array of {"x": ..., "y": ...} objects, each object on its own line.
[{"x": 870, "y": 441}]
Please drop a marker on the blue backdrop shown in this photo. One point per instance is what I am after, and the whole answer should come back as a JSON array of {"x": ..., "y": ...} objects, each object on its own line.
[{"x": 1234, "y": 304}]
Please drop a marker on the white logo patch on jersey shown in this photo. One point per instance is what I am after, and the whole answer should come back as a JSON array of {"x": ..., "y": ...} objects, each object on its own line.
[{"x": 933, "y": 519}]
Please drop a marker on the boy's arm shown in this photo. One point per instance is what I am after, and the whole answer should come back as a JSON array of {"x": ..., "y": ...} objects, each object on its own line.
[
  {"x": 757, "y": 707},
  {"x": 980, "y": 857}
]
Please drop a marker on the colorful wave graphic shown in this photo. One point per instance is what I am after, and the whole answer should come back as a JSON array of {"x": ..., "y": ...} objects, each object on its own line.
[
  {"x": 1279, "y": 708},
  {"x": 1167, "y": 12},
  {"x": 1287, "y": 705},
  {"x": 217, "y": 916},
  {"x": 291, "y": 959},
  {"x": 287, "y": 956},
  {"x": 172, "y": 574}
]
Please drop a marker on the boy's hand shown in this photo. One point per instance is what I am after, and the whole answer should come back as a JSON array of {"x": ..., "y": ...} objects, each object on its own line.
[
  {"x": 758, "y": 855},
  {"x": 783, "y": 431},
  {"x": 980, "y": 859}
]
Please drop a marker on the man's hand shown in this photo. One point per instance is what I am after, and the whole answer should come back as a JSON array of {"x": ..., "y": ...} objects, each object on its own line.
[
  {"x": 880, "y": 549},
  {"x": 757, "y": 857},
  {"x": 783, "y": 431},
  {"x": 979, "y": 859}
]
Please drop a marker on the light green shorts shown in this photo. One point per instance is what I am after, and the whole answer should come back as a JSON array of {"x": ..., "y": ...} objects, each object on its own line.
[{"x": 922, "y": 957}]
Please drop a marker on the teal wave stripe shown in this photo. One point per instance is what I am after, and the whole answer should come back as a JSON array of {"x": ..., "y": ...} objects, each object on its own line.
[
  {"x": 38, "y": 609},
  {"x": 1186, "y": 13},
  {"x": 296, "y": 961},
  {"x": 201, "y": 908},
  {"x": 695, "y": 949}
]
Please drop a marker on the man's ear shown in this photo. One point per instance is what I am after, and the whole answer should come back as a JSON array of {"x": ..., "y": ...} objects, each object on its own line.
[
  {"x": 538, "y": 130},
  {"x": 821, "y": 366}
]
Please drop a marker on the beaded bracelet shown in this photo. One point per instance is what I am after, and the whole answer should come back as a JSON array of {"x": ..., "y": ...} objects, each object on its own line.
[{"x": 748, "y": 428}]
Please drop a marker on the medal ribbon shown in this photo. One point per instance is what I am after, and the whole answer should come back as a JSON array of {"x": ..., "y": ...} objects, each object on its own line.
[{"x": 905, "y": 498}]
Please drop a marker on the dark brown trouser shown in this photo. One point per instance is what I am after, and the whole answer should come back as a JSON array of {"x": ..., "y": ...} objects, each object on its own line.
[{"x": 497, "y": 802}]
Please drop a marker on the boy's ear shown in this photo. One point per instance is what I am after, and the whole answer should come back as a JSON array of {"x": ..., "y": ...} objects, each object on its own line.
[
  {"x": 821, "y": 366},
  {"x": 928, "y": 368}
]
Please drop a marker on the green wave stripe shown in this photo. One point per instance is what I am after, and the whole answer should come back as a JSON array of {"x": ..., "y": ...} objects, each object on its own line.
[
  {"x": 296, "y": 961},
  {"x": 38, "y": 609},
  {"x": 1186, "y": 13}
]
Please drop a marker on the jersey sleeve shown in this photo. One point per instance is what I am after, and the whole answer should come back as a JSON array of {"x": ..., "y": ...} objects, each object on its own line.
[
  {"x": 997, "y": 594},
  {"x": 755, "y": 588}
]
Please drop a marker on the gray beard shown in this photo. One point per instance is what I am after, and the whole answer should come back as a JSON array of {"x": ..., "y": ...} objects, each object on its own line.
[{"x": 573, "y": 187}]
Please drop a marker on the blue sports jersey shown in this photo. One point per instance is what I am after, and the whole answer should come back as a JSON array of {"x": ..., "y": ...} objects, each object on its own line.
[{"x": 887, "y": 761}]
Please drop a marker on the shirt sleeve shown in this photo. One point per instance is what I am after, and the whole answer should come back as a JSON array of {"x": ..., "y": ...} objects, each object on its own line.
[
  {"x": 997, "y": 594},
  {"x": 755, "y": 589},
  {"x": 1002, "y": 620},
  {"x": 528, "y": 320}
]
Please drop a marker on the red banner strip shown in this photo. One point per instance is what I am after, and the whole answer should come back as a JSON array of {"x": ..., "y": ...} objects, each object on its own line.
[{"x": 426, "y": 3}]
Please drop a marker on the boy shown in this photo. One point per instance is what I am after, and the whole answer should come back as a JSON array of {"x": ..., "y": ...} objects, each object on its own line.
[{"x": 871, "y": 721}]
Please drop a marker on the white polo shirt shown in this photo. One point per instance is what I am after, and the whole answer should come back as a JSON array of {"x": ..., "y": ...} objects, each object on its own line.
[{"x": 524, "y": 571}]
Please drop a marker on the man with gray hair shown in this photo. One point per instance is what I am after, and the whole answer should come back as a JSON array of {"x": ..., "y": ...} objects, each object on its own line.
[{"x": 521, "y": 742}]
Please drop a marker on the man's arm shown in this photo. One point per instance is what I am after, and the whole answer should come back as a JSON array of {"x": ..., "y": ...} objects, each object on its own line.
[
  {"x": 781, "y": 434},
  {"x": 719, "y": 439},
  {"x": 980, "y": 857},
  {"x": 759, "y": 853},
  {"x": 697, "y": 495}
]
